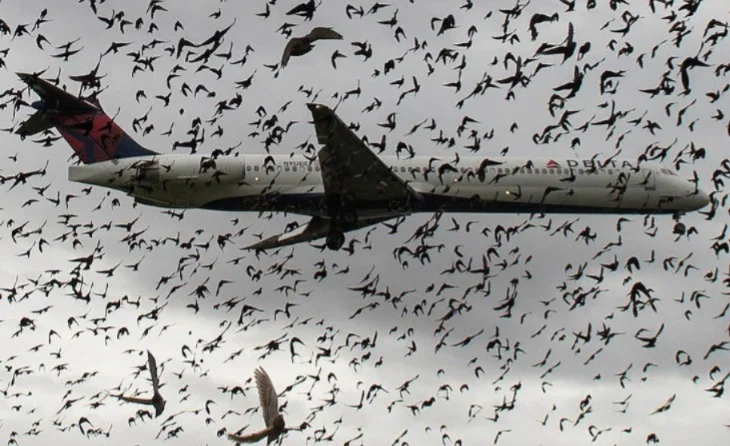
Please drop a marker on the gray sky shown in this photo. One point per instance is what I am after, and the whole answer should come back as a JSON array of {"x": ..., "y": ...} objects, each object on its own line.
[{"x": 322, "y": 318}]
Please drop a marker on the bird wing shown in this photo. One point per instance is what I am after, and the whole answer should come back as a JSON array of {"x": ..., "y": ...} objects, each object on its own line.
[
  {"x": 152, "y": 365},
  {"x": 267, "y": 396},
  {"x": 685, "y": 77},
  {"x": 129, "y": 399},
  {"x": 287, "y": 51},
  {"x": 250, "y": 438},
  {"x": 320, "y": 32}
]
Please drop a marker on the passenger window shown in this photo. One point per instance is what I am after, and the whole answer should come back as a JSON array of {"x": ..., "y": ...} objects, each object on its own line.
[
  {"x": 248, "y": 168},
  {"x": 294, "y": 168},
  {"x": 402, "y": 169},
  {"x": 309, "y": 168},
  {"x": 552, "y": 171},
  {"x": 544, "y": 171},
  {"x": 529, "y": 170},
  {"x": 256, "y": 168},
  {"x": 316, "y": 168}
]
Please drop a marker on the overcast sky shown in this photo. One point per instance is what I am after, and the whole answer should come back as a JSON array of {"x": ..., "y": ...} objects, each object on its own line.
[{"x": 534, "y": 264}]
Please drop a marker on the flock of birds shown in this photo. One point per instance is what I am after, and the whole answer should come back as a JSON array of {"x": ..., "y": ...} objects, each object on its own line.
[{"x": 486, "y": 281}]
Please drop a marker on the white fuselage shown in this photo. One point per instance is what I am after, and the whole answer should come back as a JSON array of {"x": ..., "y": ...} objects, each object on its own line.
[{"x": 294, "y": 184}]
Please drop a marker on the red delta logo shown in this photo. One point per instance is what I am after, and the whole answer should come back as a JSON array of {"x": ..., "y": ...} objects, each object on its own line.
[{"x": 552, "y": 164}]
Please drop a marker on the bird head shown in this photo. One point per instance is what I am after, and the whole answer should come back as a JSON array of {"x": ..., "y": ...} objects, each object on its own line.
[
  {"x": 278, "y": 422},
  {"x": 159, "y": 409},
  {"x": 159, "y": 404}
]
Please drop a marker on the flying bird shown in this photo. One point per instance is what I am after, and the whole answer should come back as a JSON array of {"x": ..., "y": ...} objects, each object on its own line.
[
  {"x": 275, "y": 425},
  {"x": 156, "y": 401},
  {"x": 298, "y": 46}
]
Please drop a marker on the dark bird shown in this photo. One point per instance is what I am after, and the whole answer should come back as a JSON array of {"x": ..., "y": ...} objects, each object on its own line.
[
  {"x": 447, "y": 23},
  {"x": 298, "y": 46},
  {"x": 336, "y": 55},
  {"x": 688, "y": 64},
  {"x": 538, "y": 18},
  {"x": 649, "y": 342},
  {"x": 305, "y": 10}
]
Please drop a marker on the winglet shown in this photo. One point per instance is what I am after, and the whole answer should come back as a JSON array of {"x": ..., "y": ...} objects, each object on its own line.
[{"x": 324, "y": 121}]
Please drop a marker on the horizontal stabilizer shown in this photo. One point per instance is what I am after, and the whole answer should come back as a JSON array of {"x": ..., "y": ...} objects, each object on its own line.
[
  {"x": 35, "y": 124},
  {"x": 55, "y": 99}
]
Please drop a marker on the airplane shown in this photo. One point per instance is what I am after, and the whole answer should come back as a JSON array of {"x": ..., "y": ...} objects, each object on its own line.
[{"x": 347, "y": 186}]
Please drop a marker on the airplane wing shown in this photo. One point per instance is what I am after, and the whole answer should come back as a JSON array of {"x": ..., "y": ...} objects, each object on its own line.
[
  {"x": 315, "y": 229},
  {"x": 350, "y": 169}
]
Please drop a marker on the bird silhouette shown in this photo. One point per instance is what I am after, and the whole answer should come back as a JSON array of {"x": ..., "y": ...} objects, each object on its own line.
[{"x": 298, "y": 46}]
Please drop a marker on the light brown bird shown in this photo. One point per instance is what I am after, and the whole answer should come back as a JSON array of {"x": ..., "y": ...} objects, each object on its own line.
[
  {"x": 298, "y": 46},
  {"x": 156, "y": 401},
  {"x": 275, "y": 425}
]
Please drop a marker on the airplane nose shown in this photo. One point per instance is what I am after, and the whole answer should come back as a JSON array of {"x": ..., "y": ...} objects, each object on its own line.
[
  {"x": 696, "y": 200},
  {"x": 701, "y": 199}
]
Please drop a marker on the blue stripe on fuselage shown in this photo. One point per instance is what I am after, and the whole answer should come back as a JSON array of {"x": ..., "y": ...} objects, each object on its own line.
[{"x": 309, "y": 204}]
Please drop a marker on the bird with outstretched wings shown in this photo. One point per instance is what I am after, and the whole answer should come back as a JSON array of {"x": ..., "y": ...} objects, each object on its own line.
[
  {"x": 298, "y": 46},
  {"x": 156, "y": 401},
  {"x": 274, "y": 421}
]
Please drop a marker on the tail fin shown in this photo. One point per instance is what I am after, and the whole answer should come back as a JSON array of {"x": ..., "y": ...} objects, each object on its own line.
[{"x": 90, "y": 132}]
